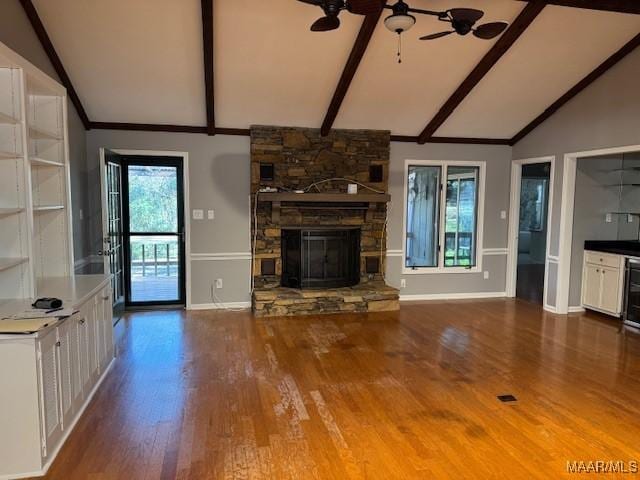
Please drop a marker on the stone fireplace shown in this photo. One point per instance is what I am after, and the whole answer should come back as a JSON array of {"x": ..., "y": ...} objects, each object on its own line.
[{"x": 319, "y": 249}]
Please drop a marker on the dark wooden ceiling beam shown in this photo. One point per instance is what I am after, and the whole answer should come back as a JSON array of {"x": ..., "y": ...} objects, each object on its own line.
[
  {"x": 357, "y": 52},
  {"x": 579, "y": 87},
  {"x": 508, "y": 38},
  {"x": 47, "y": 45},
  {"x": 207, "y": 44},
  {"x": 620, "y": 6}
]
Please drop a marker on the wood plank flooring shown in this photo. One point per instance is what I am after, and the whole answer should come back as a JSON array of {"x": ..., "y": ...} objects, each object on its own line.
[{"x": 403, "y": 395}]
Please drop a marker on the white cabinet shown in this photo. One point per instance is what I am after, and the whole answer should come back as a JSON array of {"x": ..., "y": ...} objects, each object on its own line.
[
  {"x": 49, "y": 377},
  {"x": 602, "y": 282},
  {"x": 48, "y": 374}
]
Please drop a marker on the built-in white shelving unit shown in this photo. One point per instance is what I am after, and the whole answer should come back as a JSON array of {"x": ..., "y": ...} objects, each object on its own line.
[{"x": 35, "y": 223}]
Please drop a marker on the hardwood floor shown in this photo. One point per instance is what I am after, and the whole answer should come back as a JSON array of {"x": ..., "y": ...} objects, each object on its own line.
[{"x": 411, "y": 395}]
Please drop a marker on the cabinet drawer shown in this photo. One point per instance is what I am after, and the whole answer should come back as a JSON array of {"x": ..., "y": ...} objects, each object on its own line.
[{"x": 605, "y": 259}]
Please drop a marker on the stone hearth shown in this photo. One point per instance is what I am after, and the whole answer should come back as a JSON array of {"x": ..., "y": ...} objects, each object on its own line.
[
  {"x": 288, "y": 159},
  {"x": 365, "y": 297}
]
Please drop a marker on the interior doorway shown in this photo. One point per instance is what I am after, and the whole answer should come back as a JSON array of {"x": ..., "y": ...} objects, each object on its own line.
[
  {"x": 144, "y": 224},
  {"x": 529, "y": 222},
  {"x": 532, "y": 231}
]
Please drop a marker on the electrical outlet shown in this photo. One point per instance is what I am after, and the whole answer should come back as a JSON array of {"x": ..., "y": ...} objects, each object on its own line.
[
  {"x": 607, "y": 218},
  {"x": 81, "y": 214},
  {"x": 403, "y": 283},
  {"x": 503, "y": 214},
  {"x": 486, "y": 275},
  {"x": 629, "y": 218},
  {"x": 218, "y": 283},
  {"x": 211, "y": 214}
]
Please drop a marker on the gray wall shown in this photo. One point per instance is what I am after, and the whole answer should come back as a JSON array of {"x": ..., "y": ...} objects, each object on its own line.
[
  {"x": 219, "y": 180},
  {"x": 594, "y": 198},
  {"x": 606, "y": 114},
  {"x": 16, "y": 32},
  {"x": 498, "y": 160}
]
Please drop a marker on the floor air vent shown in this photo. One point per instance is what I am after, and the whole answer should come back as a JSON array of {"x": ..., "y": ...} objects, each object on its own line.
[{"x": 507, "y": 398}]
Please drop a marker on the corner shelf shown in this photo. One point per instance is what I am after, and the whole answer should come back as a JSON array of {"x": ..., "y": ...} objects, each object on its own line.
[
  {"x": 40, "y": 134},
  {"x": 8, "y": 120},
  {"x": 9, "y": 155},
  {"x": 7, "y": 263},
  {"x": 47, "y": 208},
  {"x": 7, "y": 212},
  {"x": 41, "y": 162}
]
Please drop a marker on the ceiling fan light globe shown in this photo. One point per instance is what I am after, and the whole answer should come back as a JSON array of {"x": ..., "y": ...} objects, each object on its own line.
[{"x": 399, "y": 23}]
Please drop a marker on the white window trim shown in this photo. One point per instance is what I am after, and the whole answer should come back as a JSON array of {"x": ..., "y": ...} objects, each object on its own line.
[{"x": 440, "y": 269}]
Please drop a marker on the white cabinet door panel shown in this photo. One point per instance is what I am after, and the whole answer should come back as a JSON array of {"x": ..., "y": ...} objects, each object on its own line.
[
  {"x": 591, "y": 286},
  {"x": 610, "y": 299}
]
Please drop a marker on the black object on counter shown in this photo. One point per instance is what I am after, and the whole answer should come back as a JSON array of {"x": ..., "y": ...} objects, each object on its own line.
[{"x": 47, "y": 303}]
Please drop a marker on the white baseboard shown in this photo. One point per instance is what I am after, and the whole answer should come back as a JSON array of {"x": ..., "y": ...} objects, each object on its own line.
[
  {"x": 550, "y": 308},
  {"x": 219, "y": 306},
  {"x": 451, "y": 296},
  {"x": 577, "y": 309}
]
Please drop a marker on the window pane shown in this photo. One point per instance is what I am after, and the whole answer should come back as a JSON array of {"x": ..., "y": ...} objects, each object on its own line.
[
  {"x": 153, "y": 199},
  {"x": 422, "y": 216},
  {"x": 460, "y": 216}
]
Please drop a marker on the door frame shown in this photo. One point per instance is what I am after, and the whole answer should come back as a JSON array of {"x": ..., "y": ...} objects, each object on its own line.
[
  {"x": 514, "y": 225},
  {"x": 569, "y": 173},
  {"x": 186, "y": 207}
]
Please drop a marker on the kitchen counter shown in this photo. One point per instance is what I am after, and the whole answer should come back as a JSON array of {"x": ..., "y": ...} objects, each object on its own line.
[
  {"x": 627, "y": 248},
  {"x": 73, "y": 291}
]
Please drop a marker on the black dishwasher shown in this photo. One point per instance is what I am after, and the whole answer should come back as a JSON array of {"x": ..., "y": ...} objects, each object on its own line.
[{"x": 632, "y": 293}]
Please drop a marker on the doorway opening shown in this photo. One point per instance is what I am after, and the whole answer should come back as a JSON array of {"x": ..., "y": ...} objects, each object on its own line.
[
  {"x": 532, "y": 231},
  {"x": 529, "y": 221},
  {"x": 145, "y": 228}
]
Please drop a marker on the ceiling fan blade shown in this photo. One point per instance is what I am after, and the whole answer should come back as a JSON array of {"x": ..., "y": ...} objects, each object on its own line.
[
  {"x": 325, "y": 24},
  {"x": 470, "y": 15},
  {"x": 487, "y": 31},
  {"x": 433, "y": 36},
  {"x": 364, "y": 7}
]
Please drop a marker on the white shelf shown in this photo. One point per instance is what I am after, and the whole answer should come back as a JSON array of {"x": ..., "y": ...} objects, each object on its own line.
[
  {"x": 7, "y": 263},
  {"x": 7, "y": 212},
  {"x": 40, "y": 134},
  {"x": 47, "y": 208},
  {"x": 8, "y": 120},
  {"x": 41, "y": 162},
  {"x": 9, "y": 155}
]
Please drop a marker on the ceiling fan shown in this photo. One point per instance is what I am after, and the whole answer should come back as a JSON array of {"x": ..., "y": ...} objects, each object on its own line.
[{"x": 462, "y": 20}]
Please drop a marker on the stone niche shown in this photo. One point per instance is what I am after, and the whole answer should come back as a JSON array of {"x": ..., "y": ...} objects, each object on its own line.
[{"x": 288, "y": 159}]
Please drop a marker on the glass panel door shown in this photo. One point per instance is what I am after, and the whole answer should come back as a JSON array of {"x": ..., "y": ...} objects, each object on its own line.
[
  {"x": 154, "y": 230},
  {"x": 113, "y": 247}
]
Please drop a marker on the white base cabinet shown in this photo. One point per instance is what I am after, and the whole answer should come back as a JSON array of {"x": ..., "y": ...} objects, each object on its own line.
[
  {"x": 48, "y": 379},
  {"x": 603, "y": 282}
]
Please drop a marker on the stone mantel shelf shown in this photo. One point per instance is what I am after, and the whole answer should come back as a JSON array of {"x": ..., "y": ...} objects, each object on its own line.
[
  {"x": 277, "y": 199},
  {"x": 325, "y": 197}
]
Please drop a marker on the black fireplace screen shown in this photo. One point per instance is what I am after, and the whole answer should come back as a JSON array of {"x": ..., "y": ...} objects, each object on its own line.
[{"x": 320, "y": 258}]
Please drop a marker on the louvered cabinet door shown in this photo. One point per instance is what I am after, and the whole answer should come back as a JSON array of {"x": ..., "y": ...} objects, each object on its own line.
[
  {"x": 75, "y": 350},
  {"x": 64, "y": 373},
  {"x": 51, "y": 424}
]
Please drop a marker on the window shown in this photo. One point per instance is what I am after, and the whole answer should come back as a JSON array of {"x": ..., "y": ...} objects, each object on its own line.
[{"x": 442, "y": 222}]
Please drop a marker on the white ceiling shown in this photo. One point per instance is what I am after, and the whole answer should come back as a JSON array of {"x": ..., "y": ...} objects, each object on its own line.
[{"x": 140, "y": 61}]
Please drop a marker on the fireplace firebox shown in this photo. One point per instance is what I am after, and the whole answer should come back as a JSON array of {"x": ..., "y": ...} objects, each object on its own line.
[{"x": 320, "y": 258}]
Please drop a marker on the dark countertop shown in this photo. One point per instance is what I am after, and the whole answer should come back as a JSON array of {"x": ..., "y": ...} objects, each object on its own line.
[{"x": 629, "y": 248}]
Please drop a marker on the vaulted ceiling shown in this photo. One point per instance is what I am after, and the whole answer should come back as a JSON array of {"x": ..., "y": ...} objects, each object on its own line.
[{"x": 141, "y": 62}]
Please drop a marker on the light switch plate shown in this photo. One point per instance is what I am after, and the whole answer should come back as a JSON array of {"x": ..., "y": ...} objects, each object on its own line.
[
  {"x": 198, "y": 214},
  {"x": 486, "y": 275},
  {"x": 607, "y": 218},
  {"x": 211, "y": 214},
  {"x": 503, "y": 214}
]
